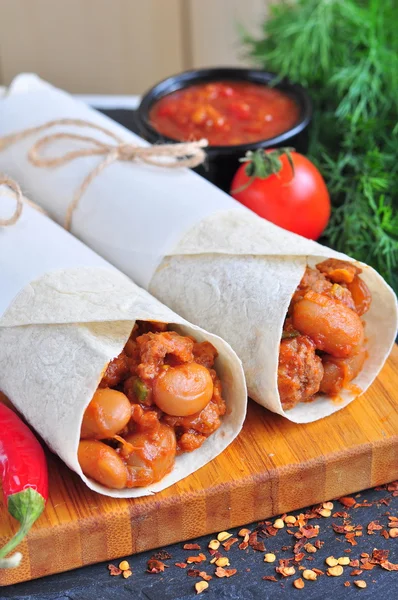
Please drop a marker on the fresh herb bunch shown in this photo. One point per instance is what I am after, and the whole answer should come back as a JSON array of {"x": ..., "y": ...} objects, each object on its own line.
[{"x": 346, "y": 53}]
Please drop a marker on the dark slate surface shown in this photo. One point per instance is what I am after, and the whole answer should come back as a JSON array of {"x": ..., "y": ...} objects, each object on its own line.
[{"x": 95, "y": 583}]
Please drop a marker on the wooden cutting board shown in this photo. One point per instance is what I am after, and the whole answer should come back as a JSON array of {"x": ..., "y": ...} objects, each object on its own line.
[{"x": 273, "y": 467}]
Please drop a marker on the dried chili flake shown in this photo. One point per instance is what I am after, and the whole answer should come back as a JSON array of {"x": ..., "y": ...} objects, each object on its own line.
[
  {"x": 379, "y": 555},
  {"x": 356, "y": 572},
  {"x": 161, "y": 555},
  {"x": 205, "y": 576},
  {"x": 227, "y": 545},
  {"x": 193, "y": 572},
  {"x": 221, "y": 572},
  {"x": 271, "y": 530},
  {"x": 354, "y": 563},
  {"x": 181, "y": 565},
  {"x": 347, "y": 501},
  {"x": 385, "y": 501},
  {"x": 389, "y": 566},
  {"x": 342, "y": 514},
  {"x": 196, "y": 559},
  {"x": 300, "y": 557},
  {"x": 114, "y": 570},
  {"x": 318, "y": 544},
  {"x": 373, "y": 526},
  {"x": 350, "y": 539},
  {"x": 393, "y": 486},
  {"x": 269, "y": 578},
  {"x": 347, "y": 584},
  {"x": 243, "y": 545},
  {"x": 367, "y": 566},
  {"x": 155, "y": 566},
  {"x": 285, "y": 548},
  {"x": 318, "y": 571},
  {"x": 307, "y": 531},
  {"x": 191, "y": 547},
  {"x": 298, "y": 546},
  {"x": 255, "y": 544},
  {"x": 384, "y": 533}
]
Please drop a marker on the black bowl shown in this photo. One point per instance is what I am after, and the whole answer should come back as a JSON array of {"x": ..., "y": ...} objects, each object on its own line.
[{"x": 223, "y": 161}]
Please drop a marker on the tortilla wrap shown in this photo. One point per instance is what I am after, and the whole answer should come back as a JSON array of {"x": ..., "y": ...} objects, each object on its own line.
[
  {"x": 64, "y": 314},
  {"x": 191, "y": 245}
]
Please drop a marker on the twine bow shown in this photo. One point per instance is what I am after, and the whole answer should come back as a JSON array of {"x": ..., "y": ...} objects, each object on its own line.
[{"x": 186, "y": 154}]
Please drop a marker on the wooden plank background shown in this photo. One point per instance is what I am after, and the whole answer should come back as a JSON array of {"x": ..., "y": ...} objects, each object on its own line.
[{"x": 121, "y": 46}]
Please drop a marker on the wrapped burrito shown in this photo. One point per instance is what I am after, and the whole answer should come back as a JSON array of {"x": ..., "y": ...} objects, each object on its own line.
[
  {"x": 130, "y": 395},
  {"x": 311, "y": 338}
]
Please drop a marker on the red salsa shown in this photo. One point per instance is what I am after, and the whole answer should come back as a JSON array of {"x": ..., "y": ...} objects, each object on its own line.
[{"x": 225, "y": 112}]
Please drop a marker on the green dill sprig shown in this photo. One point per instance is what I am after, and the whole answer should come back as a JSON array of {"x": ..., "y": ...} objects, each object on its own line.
[{"x": 346, "y": 53}]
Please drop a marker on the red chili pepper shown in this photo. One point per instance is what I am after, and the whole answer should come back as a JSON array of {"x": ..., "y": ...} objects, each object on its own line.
[{"x": 23, "y": 470}]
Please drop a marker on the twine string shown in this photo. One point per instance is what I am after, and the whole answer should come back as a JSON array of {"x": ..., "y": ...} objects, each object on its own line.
[
  {"x": 17, "y": 193},
  {"x": 185, "y": 154}
]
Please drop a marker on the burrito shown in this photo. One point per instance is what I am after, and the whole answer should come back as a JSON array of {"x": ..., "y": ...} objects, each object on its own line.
[
  {"x": 130, "y": 395},
  {"x": 312, "y": 333}
]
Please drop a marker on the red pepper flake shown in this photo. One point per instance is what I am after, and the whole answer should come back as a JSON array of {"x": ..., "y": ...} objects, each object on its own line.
[
  {"x": 269, "y": 578},
  {"x": 114, "y": 570},
  {"x": 347, "y": 501},
  {"x": 227, "y": 545},
  {"x": 181, "y": 565},
  {"x": 193, "y": 572},
  {"x": 350, "y": 539},
  {"x": 347, "y": 584},
  {"x": 338, "y": 528},
  {"x": 196, "y": 559},
  {"x": 191, "y": 547},
  {"x": 389, "y": 566},
  {"x": 300, "y": 556},
  {"x": 318, "y": 571},
  {"x": 307, "y": 532},
  {"x": 271, "y": 530},
  {"x": 243, "y": 545},
  {"x": 354, "y": 563},
  {"x": 299, "y": 545},
  {"x": 285, "y": 548},
  {"x": 348, "y": 550},
  {"x": 155, "y": 566},
  {"x": 373, "y": 526},
  {"x": 379, "y": 555},
  {"x": 384, "y": 533},
  {"x": 161, "y": 555},
  {"x": 214, "y": 553},
  {"x": 221, "y": 572},
  {"x": 356, "y": 572},
  {"x": 343, "y": 514},
  {"x": 255, "y": 544},
  {"x": 385, "y": 501},
  {"x": 318, "y": 544},
  {"x": 205, "y": 576},
  {"x": 367, "y": 566},
  {"x": 393, "y": 486}
]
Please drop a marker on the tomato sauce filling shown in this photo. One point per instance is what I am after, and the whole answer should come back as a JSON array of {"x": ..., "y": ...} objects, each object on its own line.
[
  {"x": 323, "y": 342},
  {"x": 159, "y": 398},
  {"x": 225, "y": 112}
]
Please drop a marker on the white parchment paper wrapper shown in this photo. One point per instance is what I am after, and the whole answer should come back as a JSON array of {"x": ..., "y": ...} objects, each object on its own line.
[
  {"x": 189, "y": 244},
  {"x": 64, "y": 314}
]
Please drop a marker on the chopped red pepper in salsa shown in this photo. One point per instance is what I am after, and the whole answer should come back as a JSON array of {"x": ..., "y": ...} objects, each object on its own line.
[{"x": 225, "y": 112}]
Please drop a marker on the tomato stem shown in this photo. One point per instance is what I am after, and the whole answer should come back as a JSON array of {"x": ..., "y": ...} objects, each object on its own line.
[{"x": 262, "y": 164}]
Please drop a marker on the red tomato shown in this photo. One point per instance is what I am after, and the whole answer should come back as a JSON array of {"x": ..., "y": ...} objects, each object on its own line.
[{"x": 297, "y": 202}]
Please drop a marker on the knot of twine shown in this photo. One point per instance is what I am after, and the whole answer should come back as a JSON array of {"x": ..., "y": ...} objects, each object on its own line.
[{"x": 185, "y": 154}]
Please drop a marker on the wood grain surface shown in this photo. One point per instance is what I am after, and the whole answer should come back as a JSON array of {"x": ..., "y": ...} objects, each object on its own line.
[{"x": 274, "y": 466}]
